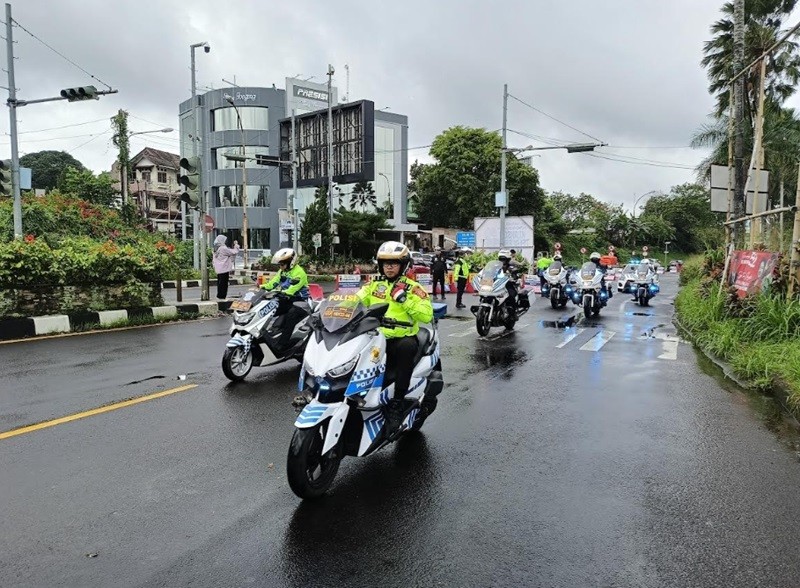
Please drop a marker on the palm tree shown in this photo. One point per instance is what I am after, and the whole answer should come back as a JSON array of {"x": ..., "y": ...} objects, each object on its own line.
[
  {"x": 363, "y": 195},
  {"x": 763, "y": 22}
]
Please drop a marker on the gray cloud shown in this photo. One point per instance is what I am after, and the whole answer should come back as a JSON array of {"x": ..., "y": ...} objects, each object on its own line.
[{"x": 626, "y": 72}]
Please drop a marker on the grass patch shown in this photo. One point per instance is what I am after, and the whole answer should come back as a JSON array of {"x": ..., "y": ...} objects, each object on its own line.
[{"x": 759, "y": 337}]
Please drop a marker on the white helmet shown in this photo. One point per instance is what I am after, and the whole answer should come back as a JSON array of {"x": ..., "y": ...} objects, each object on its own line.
[
  {"x": 504, "y": 255},
  {"x": 393, "y": 251},
  {"x": 286, "y": 255}
]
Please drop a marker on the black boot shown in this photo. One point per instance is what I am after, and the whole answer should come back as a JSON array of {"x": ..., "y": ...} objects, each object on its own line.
[{"x": 394, "y": 415}]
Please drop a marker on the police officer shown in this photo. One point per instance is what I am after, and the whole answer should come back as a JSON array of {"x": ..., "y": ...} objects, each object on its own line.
[
  {"x": 439, "y": 270},
  {"x": 292, "y": 283},
  {"x": 461, "y": 273},
  {"x": 408, "y": 302},
  {"x": 596, "y": 259}
]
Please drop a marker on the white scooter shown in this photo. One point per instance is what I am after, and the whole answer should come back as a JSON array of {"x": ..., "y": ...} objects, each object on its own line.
[
  {"x": 494, "y": 309},
  {"x": 590, "y": 292},
  {"x": 646, "y": 284},
  {"x": 255, "y": 335},
  {"x": 344, "y": 374},
  {"x": 556, "y": 285}
]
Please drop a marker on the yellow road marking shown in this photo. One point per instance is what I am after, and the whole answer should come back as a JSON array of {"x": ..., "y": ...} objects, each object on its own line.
[{"x": 94, "y": 411}]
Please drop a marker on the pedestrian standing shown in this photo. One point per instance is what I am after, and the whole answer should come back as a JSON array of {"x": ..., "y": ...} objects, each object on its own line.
[
  {"x": 461, "y": 273},
  {"x": 439, "y": 270},
  {"x": 223, "y": 259}
]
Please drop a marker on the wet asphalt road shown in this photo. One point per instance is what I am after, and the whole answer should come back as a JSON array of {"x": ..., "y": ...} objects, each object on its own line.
[{"x": 601, "y": 454}]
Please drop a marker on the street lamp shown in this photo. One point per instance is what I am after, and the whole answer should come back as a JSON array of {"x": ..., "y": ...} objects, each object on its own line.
[
  {"x": 571, "y": 148},
  {"x": 388, "y": 190},
  {"x": 245, "y": 228},
  {"x": 124, "y": 171},
  {"x": 200, "y": 253},
  {"x": 666, "y": 250}
]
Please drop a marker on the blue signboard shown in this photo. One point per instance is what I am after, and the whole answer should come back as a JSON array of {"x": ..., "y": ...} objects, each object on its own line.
[{"x": 465, "y": 239}]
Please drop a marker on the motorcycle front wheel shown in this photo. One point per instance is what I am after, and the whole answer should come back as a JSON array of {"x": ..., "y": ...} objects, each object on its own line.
[
  {"x": 482, "y": 321},
  {"x": 310, "y": 473},
  {"x": 236, "y": 363},
  {"x": 587, "y": 308},
  {"x": 643, "y": 301},
  {"x": 554, "y": 301}
]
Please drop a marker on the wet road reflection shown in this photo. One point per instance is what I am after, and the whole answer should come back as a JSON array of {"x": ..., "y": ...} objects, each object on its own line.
[{"x": 371, "y": 528}]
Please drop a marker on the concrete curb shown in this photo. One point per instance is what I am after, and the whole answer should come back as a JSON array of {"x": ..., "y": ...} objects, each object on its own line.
[
  {"x": 33, "y": 326},
  {"x": 172, "y": 284}
]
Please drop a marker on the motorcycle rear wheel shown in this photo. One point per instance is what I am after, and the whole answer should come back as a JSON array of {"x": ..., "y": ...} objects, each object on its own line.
[
  {"x": 310, "y": 474},
  {"x": 482, "y": 321},
  {"x": 236, "y": 364}
]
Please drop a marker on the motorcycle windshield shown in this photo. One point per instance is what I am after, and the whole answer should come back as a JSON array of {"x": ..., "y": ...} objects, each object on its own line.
[
  {"x": 339, "y": 310},
  {"x": 490, "y": 273},
  {"x": 555, "y": 268},
  {"x": 588, "y": 270},
  {"x": 642, "y": 271}
]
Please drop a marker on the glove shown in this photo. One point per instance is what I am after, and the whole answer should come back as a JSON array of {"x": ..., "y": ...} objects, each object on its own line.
[{"x": 399, "y": 293}]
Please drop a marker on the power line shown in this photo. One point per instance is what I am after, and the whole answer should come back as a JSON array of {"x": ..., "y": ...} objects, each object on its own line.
[
  {"x": 16, "y": 22},
  {"x": 58, "y": 138},
  {"x": 553, "y": 118},
  {"x": 89, "y": 141},
  {"x": 88, "y": 122},
  {"x": 665, "y": 165}
]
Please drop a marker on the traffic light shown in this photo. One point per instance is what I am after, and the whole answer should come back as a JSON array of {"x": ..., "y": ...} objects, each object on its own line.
[
  {"x": 82, "y": 93},
  {"x": 190, "y": 180},
  {"x": 5, "y": 177}
]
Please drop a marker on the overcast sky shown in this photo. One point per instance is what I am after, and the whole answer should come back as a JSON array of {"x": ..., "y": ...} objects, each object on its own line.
[{"x": 626, "y": 72}]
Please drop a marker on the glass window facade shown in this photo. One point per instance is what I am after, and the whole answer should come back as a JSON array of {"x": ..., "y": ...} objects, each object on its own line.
[
  {"x": 253, "y": 118},
  {"x": 221, "y": 162},
  {"x": 384, "y": 168},
  {"x": 256, "y": 239},
  {"x": 257, "y": 196}
]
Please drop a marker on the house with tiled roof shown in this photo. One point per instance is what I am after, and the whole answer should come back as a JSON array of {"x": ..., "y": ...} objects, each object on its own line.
[{"x": 153, "y": 187}]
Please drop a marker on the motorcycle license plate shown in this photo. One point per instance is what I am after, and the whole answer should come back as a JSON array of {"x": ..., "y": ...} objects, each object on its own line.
[{"x": 241, "y": 305}]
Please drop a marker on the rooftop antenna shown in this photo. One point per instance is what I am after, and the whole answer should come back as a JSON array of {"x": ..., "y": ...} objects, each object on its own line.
[
  {"x": 233, "y": 83},
  {"x": 347, "y": 84}
]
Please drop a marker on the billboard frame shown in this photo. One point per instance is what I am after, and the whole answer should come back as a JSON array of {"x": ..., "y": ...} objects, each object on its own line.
[{"x": 353, "y": 145}]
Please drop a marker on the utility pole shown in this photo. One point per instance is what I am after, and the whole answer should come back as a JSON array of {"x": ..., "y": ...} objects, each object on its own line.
[
  {"x": 503, "y": 171},
  {"x": 794, "y": 267},
  {"x": 330, "y": 149},
  {"x": 196, "y": 214},
  {"x": 293, "y": 198},
  {"x": 12, "y": 109},
  {"x": 740, "y": 174}
]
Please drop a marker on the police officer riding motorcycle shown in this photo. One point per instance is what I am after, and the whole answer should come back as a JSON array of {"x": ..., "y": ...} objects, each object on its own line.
[{"x": 291, "y": 282}]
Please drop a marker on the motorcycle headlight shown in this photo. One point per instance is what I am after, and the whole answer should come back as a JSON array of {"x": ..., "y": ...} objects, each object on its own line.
[
  {"x": 243, "y": 319},
  {"x": 341, "y": 370}
]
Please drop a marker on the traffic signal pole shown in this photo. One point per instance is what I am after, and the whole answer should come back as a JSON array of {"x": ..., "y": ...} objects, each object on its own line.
[
  {"x": 12, "y": 108},
  {"x": 71, "y": 94}
]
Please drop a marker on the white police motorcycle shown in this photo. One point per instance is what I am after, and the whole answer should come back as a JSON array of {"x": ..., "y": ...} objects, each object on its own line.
[
  {"x": 256, "y": 331},
  {"x": 556, "y": 285},
  {"x": 344, "y": 376},
  {"x": 646, "y": 284},
  {"x": 589, "y": 290},
  {"x": 494, "y": 309}
]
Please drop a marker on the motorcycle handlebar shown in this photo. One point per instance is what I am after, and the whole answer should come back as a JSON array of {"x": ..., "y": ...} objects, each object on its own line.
[{"x": 388, "y": 322}]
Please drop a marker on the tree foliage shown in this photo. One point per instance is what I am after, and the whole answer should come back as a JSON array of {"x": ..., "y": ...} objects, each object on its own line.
[
  {"x": 85, "y": 185},
  {"x": 358, "y": 232},
  {"x": 363, "y": 196},
  {"x": 687, "y": 210},
  {"x": 48, "y": 168},
  {"x": 462, "y": 183},
  {"x": 763, "y": 27},
  {"x": 317, "y": 220}
]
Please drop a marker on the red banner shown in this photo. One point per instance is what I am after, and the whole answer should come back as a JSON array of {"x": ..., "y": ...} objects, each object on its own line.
[{"x": 750, "y": 271}]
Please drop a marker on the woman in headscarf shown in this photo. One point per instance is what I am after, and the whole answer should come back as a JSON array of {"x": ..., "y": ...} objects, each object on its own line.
[{"x": 224, "y": 257}]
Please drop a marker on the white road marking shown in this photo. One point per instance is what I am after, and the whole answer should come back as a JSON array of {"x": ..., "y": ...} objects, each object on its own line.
[
  {"x": 596, "y": 343},
  {"x": 670, "y": 350},
  {"x": 569, "y": 338}
]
